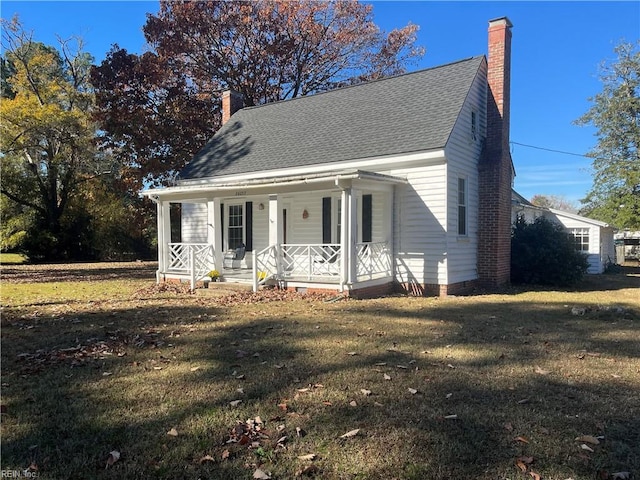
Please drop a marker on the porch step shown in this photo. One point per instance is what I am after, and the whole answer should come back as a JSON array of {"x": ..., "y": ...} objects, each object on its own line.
[{"x": 217, "y": 289}]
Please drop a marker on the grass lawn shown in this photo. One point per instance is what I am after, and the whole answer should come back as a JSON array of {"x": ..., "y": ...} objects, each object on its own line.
[
  {"x": 231, "y": 385},
  {"x": 12, "y": 259}
]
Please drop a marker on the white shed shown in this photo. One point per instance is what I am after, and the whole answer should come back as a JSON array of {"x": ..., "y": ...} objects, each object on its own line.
[{"x": 592, "y": 237}]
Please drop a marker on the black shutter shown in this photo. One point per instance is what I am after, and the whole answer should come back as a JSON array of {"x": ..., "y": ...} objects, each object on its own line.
[
  {"x": 222, "y": 225},
  {"x": 249, "y": 226},
  {"x": 367, "y": 218},
  {"x": 326, "y": 220}
]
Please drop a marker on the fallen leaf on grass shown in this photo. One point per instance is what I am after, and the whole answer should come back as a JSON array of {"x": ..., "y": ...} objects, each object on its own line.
[
  {"x": 412, "y": 391},
  {"x": 380, "y": 364},
  {"x": 526, "y": 460},
  {"x": 235, "y": 403},
  {"x": 225, "y": 454},
  {"x": 521, "y": 439},
  {"x": 352, "y": 353},
  {"x": 534, "y": 475},
  {"x": 260, "y": 475},
  {"x": 195, "y": 369},
  {"x": 206, "y": 458},
  {"x": 365, "y": 392},
  {"x": 586, "y": 447},
  {"x": 387, "y": 377},
  {"x": 521, "y": 466},
  {"x": 173, "y": 432},
  {"x": 351, "y": 433},
  {"x": 308, "y": 456},
  {"x": 541, "y": 371},
  {"x": 523, "y": 401},
  {"x": 588, "y": 439},
  {"x": 114, "y": 456},
  {"x": 106, "y": 374},
  {"x": 451, "y": 417},
  {"x": 353, "y": 403},
  {"x": 621, "y": 476}
]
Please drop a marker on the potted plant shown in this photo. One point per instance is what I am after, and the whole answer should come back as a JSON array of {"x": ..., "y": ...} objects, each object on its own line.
[{"x": 214, "y": 275}]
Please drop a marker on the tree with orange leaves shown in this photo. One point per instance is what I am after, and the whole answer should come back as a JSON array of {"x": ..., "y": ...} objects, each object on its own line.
[{"x": 156, "y": 110}]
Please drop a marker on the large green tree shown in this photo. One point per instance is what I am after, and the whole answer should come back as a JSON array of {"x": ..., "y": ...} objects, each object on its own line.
[
  {"x": 615, "y": 113},
  {"x": 47, "y": 145},
  {"x": 156, "y": 110}
]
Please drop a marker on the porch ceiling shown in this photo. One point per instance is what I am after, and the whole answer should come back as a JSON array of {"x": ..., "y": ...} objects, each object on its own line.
[{"x": 277, "y": 184}]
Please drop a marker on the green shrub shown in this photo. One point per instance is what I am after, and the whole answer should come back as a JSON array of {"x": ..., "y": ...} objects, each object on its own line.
[{"x": 543, "y": 253}]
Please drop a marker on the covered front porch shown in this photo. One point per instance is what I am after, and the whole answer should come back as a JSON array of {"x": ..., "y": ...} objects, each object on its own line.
[{"x": 316, "y": 232}]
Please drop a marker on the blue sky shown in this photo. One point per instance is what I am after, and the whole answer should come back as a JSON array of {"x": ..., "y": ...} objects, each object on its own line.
[{"x": 557, "y": 48}]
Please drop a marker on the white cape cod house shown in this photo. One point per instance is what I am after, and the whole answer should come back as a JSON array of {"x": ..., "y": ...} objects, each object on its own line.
[{"x": 404, "y": 181}]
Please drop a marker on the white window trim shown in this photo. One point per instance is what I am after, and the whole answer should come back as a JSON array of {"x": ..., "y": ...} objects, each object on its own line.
[
  {"x": 465, "y": 205},
  {"x": 227, "y": 223}
]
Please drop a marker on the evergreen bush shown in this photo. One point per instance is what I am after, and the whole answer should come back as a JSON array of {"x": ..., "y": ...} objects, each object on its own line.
[{"x": 543, "y": 253}]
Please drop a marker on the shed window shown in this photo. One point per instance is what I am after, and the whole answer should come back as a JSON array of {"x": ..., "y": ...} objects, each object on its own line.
[
  {"x": 580, "y": 239},
  {"x": 462, "y": 206}
]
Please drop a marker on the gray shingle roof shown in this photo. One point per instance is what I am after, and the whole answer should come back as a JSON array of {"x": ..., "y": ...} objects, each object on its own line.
[{"x": 409, "y": 113}]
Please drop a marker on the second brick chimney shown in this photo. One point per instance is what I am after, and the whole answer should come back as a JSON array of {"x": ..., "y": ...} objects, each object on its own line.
[
  {"x": 495, "y": 169},
  {"x": 231, "y": 102}
]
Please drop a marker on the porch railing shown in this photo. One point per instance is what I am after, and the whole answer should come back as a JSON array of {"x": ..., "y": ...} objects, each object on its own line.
[
  {"x": 319, "y": 261},
  {"x": 374, "y": 260},
  {"x": 265, "y": 266},
  {"x": 193, "y": 259}
]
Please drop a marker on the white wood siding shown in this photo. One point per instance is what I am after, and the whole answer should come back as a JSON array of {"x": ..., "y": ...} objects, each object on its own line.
[
  {"x": 194, "y": 223},
  {"x": 305, "y": 230},
  {"x": 420, "y": 213},
  {"x": 309, "y": 230},
  {"x": 463, "y": 152},
  {"x": 260, "y": 223}
]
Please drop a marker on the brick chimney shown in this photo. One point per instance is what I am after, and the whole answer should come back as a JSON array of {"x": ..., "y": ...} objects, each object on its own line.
[
  {"x": 495, "y": 169},
  {"x": 231, "y": 102}
]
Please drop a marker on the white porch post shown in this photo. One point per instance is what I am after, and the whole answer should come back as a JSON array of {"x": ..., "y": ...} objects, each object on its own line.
[
  {"x": 164, "y": 237},
  {"x": 214, "y": 232},
  {"x": 348, "y": 237},
  {"x": 275, "y": 229},
  {"x": 352, "y": 252}
]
